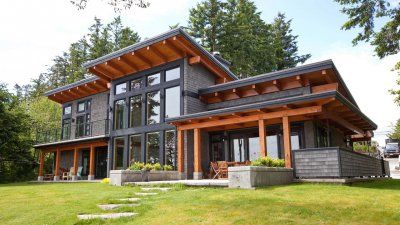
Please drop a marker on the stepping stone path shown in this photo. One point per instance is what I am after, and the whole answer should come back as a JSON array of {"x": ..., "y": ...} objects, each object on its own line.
[
  {"x": 115, "y": 206},
  {"x": 105, "y": 216},
  {"x": 145, "y": 193},
  {"x": 155, "y": 189}
]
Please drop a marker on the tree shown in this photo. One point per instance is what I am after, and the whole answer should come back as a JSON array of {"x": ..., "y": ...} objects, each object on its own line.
[
  {"x": 285, "y": 44},
  {"x": 118, "y": 5},
  {"x": 395, "y": 133},
  {"x": 386, "y": 39},
  {"x": 16, "y": 158}
]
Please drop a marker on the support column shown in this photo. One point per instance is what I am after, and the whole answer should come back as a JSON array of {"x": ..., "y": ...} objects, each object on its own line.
[
  {"x": 74, "y": 174},
  {"x": 198, "y": 172},
  {"x": 287, "y": 142},
  {"x": 181, "y": 154},
  {"x": 91, "y": 163},
  {"x": 57, "y": 167},
  {"x": 262, "y": 137},
  {"x": 41, "y": 162}
]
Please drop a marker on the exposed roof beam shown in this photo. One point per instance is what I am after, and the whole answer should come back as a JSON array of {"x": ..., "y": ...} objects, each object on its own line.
[
  {"x": 343, "y": 122},
  {"x": 194, "y": 60},
  {"x": 101, "y": 73},
  {"x": 142, "y": 58},
  {"x": 111, "y": 66},
  {"x": 155, "y": 51},
  {"x": 173, "y": 48},
  {"x": 127, "y": 63},
  {"x": 277, "y": 84},
  {"x": 183, "y": 46},
  {"x": 237, "y": 92},
  {"x": 256, "y": 88}
]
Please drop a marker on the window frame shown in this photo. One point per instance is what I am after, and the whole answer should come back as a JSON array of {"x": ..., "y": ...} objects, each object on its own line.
[{"x": 118, "y": 84}]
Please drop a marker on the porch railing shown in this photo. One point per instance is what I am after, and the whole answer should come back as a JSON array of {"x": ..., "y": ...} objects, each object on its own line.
[{"x": 74, "y": 131}]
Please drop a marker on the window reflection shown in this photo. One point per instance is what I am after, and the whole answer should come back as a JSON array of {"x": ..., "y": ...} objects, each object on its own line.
[
  {"x": 153, "y": 79},
  {"x": 172, "y": 74},
  {"x": 153, "y": 107},
  {"x": 119, "y": 114},
  {"x": 172, "y": 102},
  {"x": 152, "y": 147},
  {"x": 170, "y": 148},
  {"x": 118, "y": 153},
  {"x": 135, "y": 117},
  {"x": 120, "y": 88},
  {"x": 135, "y": 148}
]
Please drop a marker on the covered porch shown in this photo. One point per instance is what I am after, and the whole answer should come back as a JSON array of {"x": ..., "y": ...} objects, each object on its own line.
[
  {"x": 272, "y": 129},
  {"x": 73, "y": 162}
]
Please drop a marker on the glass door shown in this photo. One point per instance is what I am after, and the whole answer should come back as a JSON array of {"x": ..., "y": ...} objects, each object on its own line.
[
  {"x": 85, "y": 162},
  {"x": 217, "y": 152}
]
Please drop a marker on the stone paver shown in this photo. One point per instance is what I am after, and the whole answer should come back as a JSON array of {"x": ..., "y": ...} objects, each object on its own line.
[
  {"x": 145, "y": 193},
  {"x": 129, "y": 199},
  {"x": 105, "y": 216},
  {"x": 114, "y": 206},
  {"x": 155, "y": 189}
]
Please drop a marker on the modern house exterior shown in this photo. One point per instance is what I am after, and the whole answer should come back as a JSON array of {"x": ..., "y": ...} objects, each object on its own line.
[{"x": 168, "y": 100}]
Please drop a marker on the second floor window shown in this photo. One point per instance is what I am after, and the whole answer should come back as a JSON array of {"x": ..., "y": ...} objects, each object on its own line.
[
  {"x": 120, "y": 88},
  {"x": 81, "y": 106},
  {"x": 67, "y": 110},
  {"x": 119, "y": 114},
  {"x": 172, "y": 102},
  {"x": 153, "y": 79},
  {"x": 135, "y": 111},
  {"x": 153, "y": 107}
]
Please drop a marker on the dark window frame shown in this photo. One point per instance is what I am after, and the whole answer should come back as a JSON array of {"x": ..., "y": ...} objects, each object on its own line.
[{"x": 126, "y": 88}]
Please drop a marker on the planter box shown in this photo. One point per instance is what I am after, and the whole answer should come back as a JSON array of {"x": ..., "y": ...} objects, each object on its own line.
[
  {"x": 119, "y": 177},
  {"x": 249, "y": 177}
]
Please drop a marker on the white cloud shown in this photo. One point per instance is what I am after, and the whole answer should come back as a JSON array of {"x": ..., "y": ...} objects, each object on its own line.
[{"x": 369, "y": 80}]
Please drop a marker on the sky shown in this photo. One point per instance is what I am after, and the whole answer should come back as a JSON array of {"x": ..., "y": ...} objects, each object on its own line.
[{"x": 32, "y": 33}]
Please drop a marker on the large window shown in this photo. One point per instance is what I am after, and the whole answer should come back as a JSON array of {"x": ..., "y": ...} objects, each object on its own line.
[
  {"x": 135, "y": 148},
  {"x": 135, "y": 115},
  {"x": 172, "y": 102},
  {"x": 119, "y": 146},
  {"x": 170, "y": 148},
  {"x": 66, "y": 129},
  {"x": 152, "y": 147},
  {"x": 153, "y": 107},
  {"x": 120, "y": 88},
  {"x": 81, "y": 106},
  {"x": 172, "y": 74},
  {"x": 119, "y": 114},
  {"x": 67, "y": 110},
  {"x": 136, "y": 84},
  {"x": 153, "y": 79}
]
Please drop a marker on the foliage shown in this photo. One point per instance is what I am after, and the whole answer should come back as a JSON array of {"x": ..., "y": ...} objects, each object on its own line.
[
  {"x": 157, "y": 166},
  {"x": 395, "y": 133},
  {"x": 105, "y": 181},
  {"x": 269, "y": 162},
  {"x": 117, "y": 5},
  {"x": 168, "y": 167},
  {"x": 137, "y": 166},
  {"x": 148, "y": 167},
  {"x": 364, "y": 147},
  {"x": 236, "y": 30},
  {"x": 386, "y": 39},
  {"x": 16, "y": 158}
]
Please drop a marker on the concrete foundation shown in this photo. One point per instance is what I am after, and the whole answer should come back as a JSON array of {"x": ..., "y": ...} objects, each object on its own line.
[
  {"x": 91, "y": 177},
  {"x": 197, "y": 175},
  {"x": 250, "y": 177},
  {"x": 40, "y": 178},
  {"x": 119, "y": 177},
  {"x": 74, "y": 178},
  {"x": 56, "y": 178}
]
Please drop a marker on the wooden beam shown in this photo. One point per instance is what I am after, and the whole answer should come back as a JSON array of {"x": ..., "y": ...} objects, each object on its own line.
[
  {"x": 197, "y": 151},
  {"x": 101, "y": 73},
  {"x": 300, "y": 80},
  {"x": 194, "y": 60},
  {"x": 252, "y": 118},
  {"x": 277, "y": 84},
  {"x": 256, "y": 88},
  {"x": 156, "y": 52},
  {"x": 325, "y": 101},
  {"x": 41, "y": 163},
  {"x": 142, "y": 58},
  {"x": 343, "y": 123},
  {"x": 181, "y": 156},
  {"x": 128, "y": 64},
  {"x": 173, "y": 48},
  {"x": 262, "y": 138},
  {"x": 183, "y": 46},
  {"x": 287, "y": 142},
  {"x": 57, "y": 166},
  {"x": 237, "y": 92},
  {"x": 116, "y": 69},
  {"x": 75, "y": 161},
  {"x": 327, "y": 78},
  {"x": 325, "y": 87},
  {"x": 91, "y": 161}
]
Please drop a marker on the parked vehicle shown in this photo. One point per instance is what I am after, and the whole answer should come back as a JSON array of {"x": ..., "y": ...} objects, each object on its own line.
[{"x": 391, "y": 149}]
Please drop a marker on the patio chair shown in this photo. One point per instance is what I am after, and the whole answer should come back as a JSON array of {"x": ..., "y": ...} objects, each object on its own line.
[
  {"x": 215, "y": 170},
  {"x": 223, "y": 169},
  {"x": 79, "y": 172},
  {"x": 68, "y": 175}
]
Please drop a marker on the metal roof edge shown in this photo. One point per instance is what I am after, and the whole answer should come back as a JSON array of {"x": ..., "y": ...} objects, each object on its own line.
[{"x": 72, "y": 85}]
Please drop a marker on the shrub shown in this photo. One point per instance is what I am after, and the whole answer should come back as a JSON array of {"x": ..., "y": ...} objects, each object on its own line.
[
  {"x": 157, "y": 166},
  {"x": 136, "y": 166},
  {"x": 105, "y": 181},
  {"x": 168, "y": 168},
  {"x": 148, "y": 167},
  {"x": 266, "y": 161}
]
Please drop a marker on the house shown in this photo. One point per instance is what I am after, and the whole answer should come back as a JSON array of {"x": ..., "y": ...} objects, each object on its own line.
[{"x": 168, "y": 100}]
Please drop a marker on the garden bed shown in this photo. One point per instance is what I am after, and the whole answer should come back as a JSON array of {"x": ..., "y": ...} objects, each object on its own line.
[{"x": 119, "y": 177}]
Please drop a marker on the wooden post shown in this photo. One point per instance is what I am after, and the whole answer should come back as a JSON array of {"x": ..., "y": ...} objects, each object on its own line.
[
  {"x": 181, "y": 157},
  {"x": 91, "y": 163},
  {"x": 75, "y": 161},
  {"x": 262, "y": 138},
  {"x": 57, "y": 167},
  {"x": 286, "y": 142},
  {"x": 197, "y": 150},
  {"x": 41, "y": 162}
]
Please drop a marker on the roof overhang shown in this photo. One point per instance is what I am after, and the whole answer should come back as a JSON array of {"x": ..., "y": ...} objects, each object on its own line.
[
  {"x": 80, "y": 89},
  {"x": 167, "y": 47}
]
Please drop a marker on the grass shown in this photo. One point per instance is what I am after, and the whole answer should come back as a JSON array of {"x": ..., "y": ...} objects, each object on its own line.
[{"x": 363, "y": 203}]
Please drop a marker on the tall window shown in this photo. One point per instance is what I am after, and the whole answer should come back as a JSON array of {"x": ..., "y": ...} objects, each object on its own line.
[
  {"x": 172, "y": 102},
  {"x": 135, "y": 111},
  {"x": 119, "y": 114},
  {"x": 153, "y": 79},
  {"x": 81, "y": 106},
  {"x": 118, "y": 153},
  {"x": 67, "y": 110},
  {"x": 120, "y": 88},
  {"x": 152, "y": 147},
  {"x": 170, "y": 148},
  {"x": 135, "y": 148},
  {"x": 172, "y": 74},
  {"x": 153, "y": 107},
  {"x": 66, "y": 129}
]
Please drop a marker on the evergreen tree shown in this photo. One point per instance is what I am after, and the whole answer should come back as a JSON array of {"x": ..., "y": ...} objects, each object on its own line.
[{"x": 285, "y": 44}]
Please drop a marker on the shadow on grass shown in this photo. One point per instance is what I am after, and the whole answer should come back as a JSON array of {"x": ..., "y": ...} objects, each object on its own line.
[{"x": 389, "y": 184}]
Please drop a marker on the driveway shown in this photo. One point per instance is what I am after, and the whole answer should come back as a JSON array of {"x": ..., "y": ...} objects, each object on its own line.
[{"x": 392, "y": 163}]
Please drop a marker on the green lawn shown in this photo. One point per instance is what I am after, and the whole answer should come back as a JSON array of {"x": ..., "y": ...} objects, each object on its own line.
[{"x": 364, "y": 203}]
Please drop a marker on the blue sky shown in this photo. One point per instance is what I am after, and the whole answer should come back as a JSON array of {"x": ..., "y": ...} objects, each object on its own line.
[{"x": 33, "y": 33}]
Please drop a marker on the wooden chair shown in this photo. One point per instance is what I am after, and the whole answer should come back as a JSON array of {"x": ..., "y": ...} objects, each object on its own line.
[
  {"x": 223, "y": 169},
  {"x": 68, "y": 175},
  {"x": 215, "y": 170}
]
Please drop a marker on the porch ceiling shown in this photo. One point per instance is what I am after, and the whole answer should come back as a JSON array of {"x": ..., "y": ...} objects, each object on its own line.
[{"x": 64, "y": 146}]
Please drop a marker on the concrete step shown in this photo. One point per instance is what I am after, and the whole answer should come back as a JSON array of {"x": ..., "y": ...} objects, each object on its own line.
[
  {"x": 115, "y": 206},
  {"x": 155, "y": 189},
  {"x": 105, "y": 216},
  {"x": 145, "y": 193}
]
